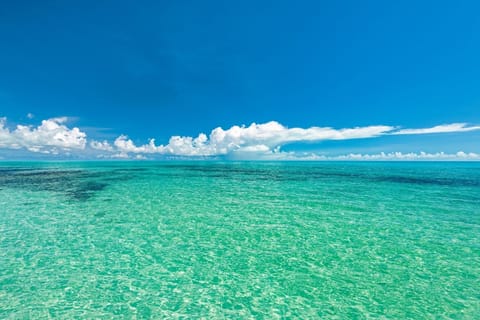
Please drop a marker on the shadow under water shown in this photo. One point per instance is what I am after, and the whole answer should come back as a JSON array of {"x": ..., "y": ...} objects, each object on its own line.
[{"x": 76, "y": 184}]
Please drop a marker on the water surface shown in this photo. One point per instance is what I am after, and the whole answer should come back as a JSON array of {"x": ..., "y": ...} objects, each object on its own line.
[{"x": 239, "y": 240}]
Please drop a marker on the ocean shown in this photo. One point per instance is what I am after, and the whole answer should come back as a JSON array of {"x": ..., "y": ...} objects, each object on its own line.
[{"x": 263, "y": 240}]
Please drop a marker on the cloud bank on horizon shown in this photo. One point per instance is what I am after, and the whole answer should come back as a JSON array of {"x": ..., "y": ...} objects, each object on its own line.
[{"x": 256, "y": 141}]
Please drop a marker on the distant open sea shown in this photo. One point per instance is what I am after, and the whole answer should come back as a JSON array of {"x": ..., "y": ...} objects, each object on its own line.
[{"x": 266, "y": 240}]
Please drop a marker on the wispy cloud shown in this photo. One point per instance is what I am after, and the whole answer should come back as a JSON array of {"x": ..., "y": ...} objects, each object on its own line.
[{"x": 444, "y": 128}]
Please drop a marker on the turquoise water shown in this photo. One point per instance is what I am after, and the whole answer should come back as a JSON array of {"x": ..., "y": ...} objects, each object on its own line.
[{"x": 239, "y": 240}]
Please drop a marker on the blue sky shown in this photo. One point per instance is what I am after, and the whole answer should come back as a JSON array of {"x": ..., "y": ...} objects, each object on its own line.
[{"x": 157, "y": 69}]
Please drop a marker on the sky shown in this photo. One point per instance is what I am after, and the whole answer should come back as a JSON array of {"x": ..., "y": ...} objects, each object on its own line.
[{"x": 274, "y": 80}]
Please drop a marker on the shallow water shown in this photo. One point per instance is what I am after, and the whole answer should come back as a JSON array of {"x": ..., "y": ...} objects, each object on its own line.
[{"x": 239, "y": 240}]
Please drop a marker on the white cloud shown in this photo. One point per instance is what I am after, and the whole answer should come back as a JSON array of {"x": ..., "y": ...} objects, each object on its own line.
[
  {"x": 256, "y": 141},
  {"x": 101, "y": 145},
  {"x": 444, "y": 128},
  {"x": 382, "y": 156},
  {"x": 263, "y": 141},
  {"x": 50, "y": 136},
  {"x": 273, "y": 133},
  {"x": 125, "y": 145},
  {"x": 121, "y": 155},
  {"x": 254, "y": 138},
  {"x": 410, "y": 156},
  {"x": 30, "y": 115}
]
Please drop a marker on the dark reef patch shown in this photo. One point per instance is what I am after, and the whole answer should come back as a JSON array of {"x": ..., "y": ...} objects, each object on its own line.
[
  {"x": 86, "y": 190},
  {"x": 76, "y": 184}
]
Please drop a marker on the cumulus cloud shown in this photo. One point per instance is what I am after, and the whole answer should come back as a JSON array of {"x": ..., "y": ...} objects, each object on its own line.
[
  {"x": 256, "y": 141},
  {"x": 101, "y": 145},
  {"x": 444, "y": 128},
  {"x": 254, "y": 138},
  {"x": 263, "y": 141},
  {"x": 50, "y": 136},
  {"x": 125, "y": 145}
]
